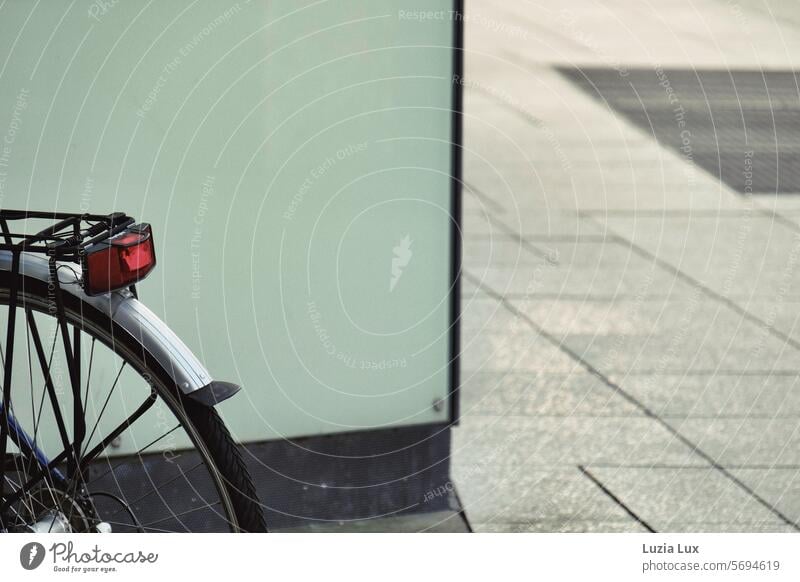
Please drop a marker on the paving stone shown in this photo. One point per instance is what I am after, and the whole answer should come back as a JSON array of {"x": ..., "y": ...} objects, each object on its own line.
[
  {"x": 782, "y": 313},
  {"x": 483, "y": 313},
  {"x": 560, "y": 526},
  {"x": 510, "y": 350},
  {"x": 477, "y": 223},
  {"x": 519, "y": 188},
  {"x": 777, "y": 485},
  {"x": 744, "y": 254},
  {"x": 500, "y": 251},
  {"x": 505, "y": 443},
  {"x": 744, "y": 441},
  {"x": 666, "y": 496},
  {"x": 786, "y": 205},
  {"x": 470, "y": 291},
  {"x": 771, "y": 527},
  {"x": 662, "y": 335},
  {"x": 716, "y": 395},
  {"x": 536, "y": 224},
  {"x": 538, "y": 394},
  {"x": 529, "y": 494},
  {"x": 575, "y": 270}
]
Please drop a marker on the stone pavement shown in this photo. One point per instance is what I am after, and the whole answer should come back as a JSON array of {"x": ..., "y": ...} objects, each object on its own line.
[{"x": 630, "y": 338}]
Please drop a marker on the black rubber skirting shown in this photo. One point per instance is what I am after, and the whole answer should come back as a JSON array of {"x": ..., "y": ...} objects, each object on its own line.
[{"x": 353, "y": 476}]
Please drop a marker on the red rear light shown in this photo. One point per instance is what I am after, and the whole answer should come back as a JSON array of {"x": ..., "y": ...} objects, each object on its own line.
[{"x": 120, "y": 261}]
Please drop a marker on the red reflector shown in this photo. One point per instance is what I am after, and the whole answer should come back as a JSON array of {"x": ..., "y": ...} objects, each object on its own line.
[
  {"x": 119, "y": 262},
  {"x": 138, "y": 257}
]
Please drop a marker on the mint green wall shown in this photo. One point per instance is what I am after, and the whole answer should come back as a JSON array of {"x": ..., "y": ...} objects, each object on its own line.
[{"x": 283, "y": 151}]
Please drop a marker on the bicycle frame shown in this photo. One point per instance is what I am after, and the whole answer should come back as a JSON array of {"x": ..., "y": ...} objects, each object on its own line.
[{"x": 38, "y": 256}]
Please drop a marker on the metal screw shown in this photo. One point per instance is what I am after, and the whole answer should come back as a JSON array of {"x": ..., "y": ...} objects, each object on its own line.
[{"x": 438, "y": 404}]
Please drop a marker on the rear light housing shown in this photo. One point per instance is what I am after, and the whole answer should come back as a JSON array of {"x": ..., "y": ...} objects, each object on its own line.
[{"x": 119, "y": 261}]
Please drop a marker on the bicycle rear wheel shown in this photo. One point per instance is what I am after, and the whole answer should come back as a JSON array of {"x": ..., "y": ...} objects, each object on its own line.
[{"x": 127, "y": 450}]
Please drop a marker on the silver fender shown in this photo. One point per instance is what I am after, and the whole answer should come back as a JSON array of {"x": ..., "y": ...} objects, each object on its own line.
[{"x": 156, "y": 337}]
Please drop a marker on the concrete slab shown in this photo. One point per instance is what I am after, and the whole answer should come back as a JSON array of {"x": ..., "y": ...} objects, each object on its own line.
[
  {"x": 669, "y": 499},
  {"x": 560, "y": 526},
  {"x": 716, "y": 395},
  {"x": 663, "y": 335},
  {"x": 590, "y": 268},
  {"x": 745, "y": 441},
  {"x": 780, "y": 486},
  {"x": 507, "y": 443},
  {"x": 744, "y": 254},
  {"x": 509, "y": 350},
  {"x": 540, "y": 394},
  {"x": 529, "y": 495}
]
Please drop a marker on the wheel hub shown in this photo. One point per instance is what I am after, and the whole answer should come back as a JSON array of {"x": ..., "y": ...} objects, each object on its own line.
[{"x": 49, "y": 510}]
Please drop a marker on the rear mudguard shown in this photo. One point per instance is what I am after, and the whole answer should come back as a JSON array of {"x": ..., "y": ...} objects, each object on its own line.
[{"x": 159, "y": 341}]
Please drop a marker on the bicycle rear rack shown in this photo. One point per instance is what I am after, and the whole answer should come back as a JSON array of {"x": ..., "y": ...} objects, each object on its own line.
[{"x": 65, "y": 240}]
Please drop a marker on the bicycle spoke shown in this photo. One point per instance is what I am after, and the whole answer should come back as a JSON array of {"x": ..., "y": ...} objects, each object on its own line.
[
  {"x": 155, "y": 489},
  {"x": 14, "y": 486},
  {"x": 138, "y": 453},
  {"x": 51, "y": 391},
  {"x": 105, "y": 404},
  {"x": 28, "y": 507},
  {"x": 176, "y": 516},
  {"x": 101, "y": 446},
  {"x": 44, "y": 391},
  {"x": 160, "y": 485},
  {"x": 42, "y": 473},
  {"x": 89, "y": 375}
]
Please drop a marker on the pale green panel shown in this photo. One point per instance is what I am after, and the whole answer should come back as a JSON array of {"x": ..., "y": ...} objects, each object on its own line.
[{"x": 286, "y": 154}]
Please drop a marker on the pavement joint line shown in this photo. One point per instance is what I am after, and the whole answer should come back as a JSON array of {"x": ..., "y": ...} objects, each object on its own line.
[
  {"x": 489, "y": 415},
  {"x": 673, "y": 212},
  {"x": 631, "y": 399},
  {"x": 615, "y": 499},
  {"x": 508, "y": 230},
  {"x": 770, "y": 329},
  {"x": 681, "y": 467},
  {"x": 777, "y": 216},
  {"x": 670, "y": 372},
  {"x": 508, "y": 105},
  {"x": 680, "y": 213},
  {"x": 619, "y": 415},
  {"x": 462, "y": 512},
  {"x": 731, "y": 416},
  {"x": 665, "y": 373},
  {"x": 592, "y": 298},
  {"x": 488, "y": 201},
  {"x": 580, "y": 239}
]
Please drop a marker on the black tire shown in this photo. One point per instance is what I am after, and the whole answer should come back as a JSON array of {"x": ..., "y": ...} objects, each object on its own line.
[
  {"x": 228, "y": 458},
  {"x": 201, "y": 422}
]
